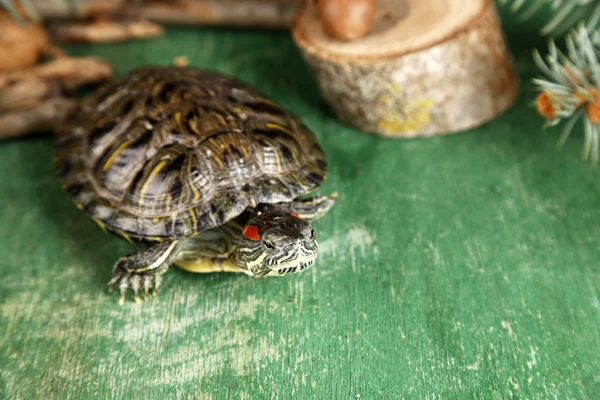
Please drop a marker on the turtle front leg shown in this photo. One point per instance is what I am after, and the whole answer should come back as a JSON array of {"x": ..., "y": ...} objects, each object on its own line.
[
  {"x": 310, "y": 208},
  {"x": 142, "y": 270}
]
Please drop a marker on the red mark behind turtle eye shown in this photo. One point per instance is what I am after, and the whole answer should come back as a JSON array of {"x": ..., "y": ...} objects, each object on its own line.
[
  {"x": 295, "y": 215},
  {"x": 251, "y": 232}
]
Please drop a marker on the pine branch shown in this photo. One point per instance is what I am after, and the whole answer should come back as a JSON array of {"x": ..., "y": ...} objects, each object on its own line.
[
  {"x": 570, "y": 87},
  {"x": 566, "y": 13}
]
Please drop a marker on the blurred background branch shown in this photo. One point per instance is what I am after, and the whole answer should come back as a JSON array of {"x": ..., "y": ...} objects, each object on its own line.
[{"x": 569, "y": 84}]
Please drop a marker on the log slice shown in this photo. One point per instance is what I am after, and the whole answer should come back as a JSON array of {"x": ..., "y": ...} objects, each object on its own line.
[{"x": 426, "y": 67}]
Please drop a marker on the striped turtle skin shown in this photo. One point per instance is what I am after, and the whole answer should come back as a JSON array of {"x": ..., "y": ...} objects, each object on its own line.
[
  {"x": 200, "y": 168},
  {"x": 167, "y": 152}
]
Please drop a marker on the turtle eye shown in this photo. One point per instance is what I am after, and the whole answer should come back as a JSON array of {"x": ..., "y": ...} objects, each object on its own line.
[{"x": 269, "y": 245}]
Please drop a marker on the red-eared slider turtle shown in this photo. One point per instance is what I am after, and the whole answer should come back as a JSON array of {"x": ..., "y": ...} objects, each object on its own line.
[{"x": 203, "y": 169}]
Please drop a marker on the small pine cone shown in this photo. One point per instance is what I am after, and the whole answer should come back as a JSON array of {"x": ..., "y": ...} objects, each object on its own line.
[
  {"x": 592, "y": 110},
  {"x": 544, "y": 106}
]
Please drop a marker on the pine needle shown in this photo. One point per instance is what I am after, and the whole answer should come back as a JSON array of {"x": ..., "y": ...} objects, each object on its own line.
[{"x": 566, "y": 13}]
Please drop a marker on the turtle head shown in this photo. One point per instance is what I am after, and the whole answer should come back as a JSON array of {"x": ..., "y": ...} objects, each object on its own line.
[{"x": 277, "y": 243}]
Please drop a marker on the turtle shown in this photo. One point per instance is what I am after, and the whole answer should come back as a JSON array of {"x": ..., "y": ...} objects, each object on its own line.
[{"x": 199, "y": 169}]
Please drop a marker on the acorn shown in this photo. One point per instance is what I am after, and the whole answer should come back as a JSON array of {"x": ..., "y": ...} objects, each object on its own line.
[{"x": 346, "y": 19}]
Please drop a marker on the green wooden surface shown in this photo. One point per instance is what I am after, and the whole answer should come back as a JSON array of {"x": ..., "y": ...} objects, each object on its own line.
[{"x": 457, "y": 267}]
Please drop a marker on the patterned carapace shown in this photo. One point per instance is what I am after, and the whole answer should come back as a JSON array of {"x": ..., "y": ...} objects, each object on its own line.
[{"x": 167, "y": 152}]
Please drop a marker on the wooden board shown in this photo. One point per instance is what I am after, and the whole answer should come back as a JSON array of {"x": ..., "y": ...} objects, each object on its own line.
[{"x": 463, "y": 267}]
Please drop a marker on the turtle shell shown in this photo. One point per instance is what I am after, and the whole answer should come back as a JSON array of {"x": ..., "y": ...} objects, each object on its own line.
[{"x": 167, "y": 152}]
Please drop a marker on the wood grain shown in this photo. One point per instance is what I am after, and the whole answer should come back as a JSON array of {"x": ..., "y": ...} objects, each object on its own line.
[{"x": 463, "y": 267}]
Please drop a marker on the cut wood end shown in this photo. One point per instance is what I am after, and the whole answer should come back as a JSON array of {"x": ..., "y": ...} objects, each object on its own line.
[
  {"x": 426, "y": 67},
  {"x": 399, "y": 27}
]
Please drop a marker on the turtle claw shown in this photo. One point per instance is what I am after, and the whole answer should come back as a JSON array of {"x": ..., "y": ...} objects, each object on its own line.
[
  {"x": 136, "y": 295},
  {"x": 141, "y": 271},
  {"x": 148, "y": 293},
  {"x": 129, "y": 280}
]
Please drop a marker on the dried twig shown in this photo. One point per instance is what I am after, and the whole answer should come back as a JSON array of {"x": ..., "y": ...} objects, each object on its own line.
[
  {"x": 26, "y": 94},
  {"x": 246, "y": 13},
  {"x": 40, "y": 118},
  {"x": 80, "y": 9},
  {"x": 256, "y": 13},
  {"x": 33, "y": 100},
  {"x": 70, "y": 72},
  {"x": 103, "y": 31}
]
